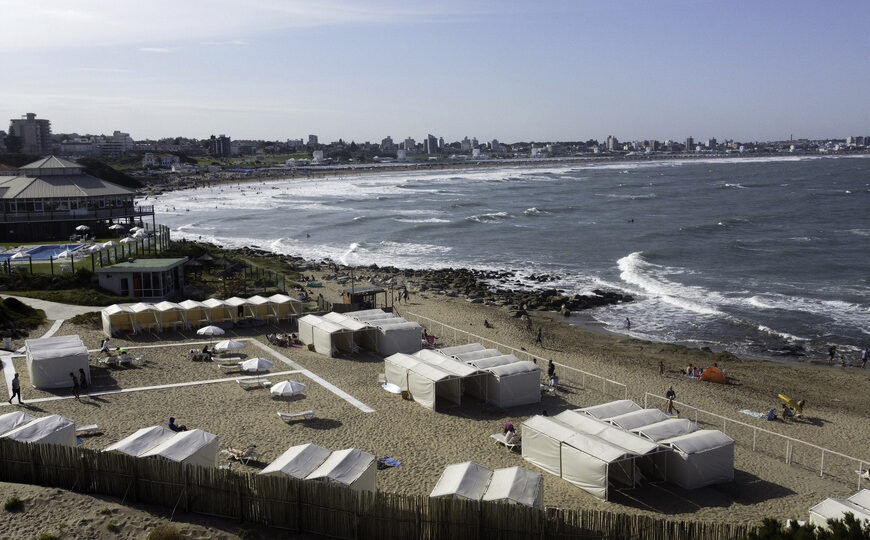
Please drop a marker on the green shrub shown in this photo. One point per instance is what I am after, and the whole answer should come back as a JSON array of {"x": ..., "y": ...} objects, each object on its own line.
[
  {"x": 13, "y": 504},
  {"x": 112, "y": 527},
  {"x": 166, "y": 531},
  {"x": 48, "y": 536}
]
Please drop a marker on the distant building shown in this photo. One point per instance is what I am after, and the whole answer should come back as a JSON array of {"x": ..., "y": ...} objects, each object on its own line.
[
  {"x": 312, "y": 140},
  {"x": 401, "y": 154},
  {"x": 317, "y": 155},
  {"x": 496, "y": 147},
  {"x": 612, "y": 143},
  {"x": 431, "y": 144},
  {"x": 440, "y": 144},
  {"x": 711, "y": 144},
  {"x": 220, "y": 146},
  {"x": 2, "y": 141},
  {"x": 690, "y": 144},
  {"x": 146, "y": 279},
  {"x": 465, "y": 145},
  {"x": 387, "y": 145},
  {"x": 161, "y": 161},
  {"x": 35, "y": 135}
]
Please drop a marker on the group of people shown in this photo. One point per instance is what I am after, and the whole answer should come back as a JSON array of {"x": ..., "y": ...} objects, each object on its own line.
[{"x": 832, "y": 354}]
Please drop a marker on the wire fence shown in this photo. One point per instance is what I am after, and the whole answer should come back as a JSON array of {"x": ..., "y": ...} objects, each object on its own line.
[
  {"x": 794, "y": 451},
  {"x": 575, "y": 377}
]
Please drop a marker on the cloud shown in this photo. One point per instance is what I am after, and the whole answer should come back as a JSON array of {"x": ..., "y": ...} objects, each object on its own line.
[
  {"x": 219, "y": 43},
  {"x": 156, "y": 49},
  {"x": 94, "y": 23}
]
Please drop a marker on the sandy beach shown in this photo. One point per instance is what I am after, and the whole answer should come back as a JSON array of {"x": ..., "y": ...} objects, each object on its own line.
[{"x": 425, "y": 441}]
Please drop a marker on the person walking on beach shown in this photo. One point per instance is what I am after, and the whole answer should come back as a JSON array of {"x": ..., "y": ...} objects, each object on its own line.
[
  {"x": 104, "y": 347},
  {"x": 661, "y": 368},
  {"x": 83, "y": 380},
  {"x": 832, "y": 352},
  {"x": 864, "y": 358},
  {"x": 75, "y": 383},
  {"x": 627, "y": 323},
  {"x": 16, "y": 389},
  {"x": 539, "y": 339},
  {"x": 670, "y": 395}
]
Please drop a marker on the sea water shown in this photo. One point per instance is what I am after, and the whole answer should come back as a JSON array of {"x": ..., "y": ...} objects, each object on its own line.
[{"x": 744, "y": 255}]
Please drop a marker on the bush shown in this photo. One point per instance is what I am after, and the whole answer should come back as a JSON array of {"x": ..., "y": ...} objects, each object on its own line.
[
  {"x": 13, "y": 504},
  {"x": 166, "y": 531},
  {"x": 112, "y": 527},
  {"x": 48, "y": 536}
]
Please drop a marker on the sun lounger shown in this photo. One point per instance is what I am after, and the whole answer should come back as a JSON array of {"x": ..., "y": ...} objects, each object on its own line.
[
  {"x": 228, "y": 359},
  {"x": 246, "y": 455},
  {"x": 230, "y": 368},
  {"x": 288, "y": 417},
  {"x": 89, "y": 429},
  {"x": 250, "y": 385},
  {"x": 501, "y": 438}
]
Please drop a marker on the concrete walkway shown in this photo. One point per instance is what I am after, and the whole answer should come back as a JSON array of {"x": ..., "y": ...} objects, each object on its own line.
[{"x": 54, "y": 311}]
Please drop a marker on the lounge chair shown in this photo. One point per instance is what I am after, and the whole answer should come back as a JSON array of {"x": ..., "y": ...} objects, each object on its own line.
[
  {"x": 244, "y": 456},
  {"x": 501, "y": 438},
  {"x": 230, "y": 368},
  {"x": 90, "y": 429},
  {"x": 289, "y": 417},
  {"x": 250, "y": 385},
  {"x": 227, "y": 359}
]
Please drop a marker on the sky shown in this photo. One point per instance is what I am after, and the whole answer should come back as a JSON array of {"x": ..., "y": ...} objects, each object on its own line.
[{"x": 514, "y": 71}]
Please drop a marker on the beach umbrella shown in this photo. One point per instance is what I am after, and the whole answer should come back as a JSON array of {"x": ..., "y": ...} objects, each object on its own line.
[
  {"x": 228, "y": 345},
  {"x": 111, "y": 243},
  {"x": 210, "y": 330},
  {"x": 127, "y": 240},
  {"x": 287, "y": 388},
  {"x": 135, "y": 229},
  {"x": 141, "y": 233},
  {"x": 83, "y": 228},
  {"x": 116, "y": 227},
  {"x": 257, "y": 364},
  {"x": 64, "y": 254}
]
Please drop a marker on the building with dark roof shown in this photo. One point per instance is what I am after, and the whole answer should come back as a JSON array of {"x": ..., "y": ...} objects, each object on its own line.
[{"x": 49, "y": 198}]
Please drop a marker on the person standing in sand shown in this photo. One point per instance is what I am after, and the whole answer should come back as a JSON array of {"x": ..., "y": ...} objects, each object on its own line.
[
  {"x": 864, "y": 358},
  {"x": 661, "y": 368},
  {"x": 75, "y": 383},
  {"x": 832, "y": 352},
  {"x": 670, "y": 395},
  {"x": 16, "y": 389},
  {"x": 539, "y": 339}
]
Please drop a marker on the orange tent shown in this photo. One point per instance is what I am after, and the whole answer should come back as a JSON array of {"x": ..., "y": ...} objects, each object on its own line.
[{"x": 713, "y": 374}]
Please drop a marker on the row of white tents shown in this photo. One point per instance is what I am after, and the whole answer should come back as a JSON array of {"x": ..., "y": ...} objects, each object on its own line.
[
  {"x": 435, "y": 378},
  {"x": 372, "y": 329},
  {"x": 478, "y": 483},
  {"x": 349, "y": 467},
  {"x": 133, "y": 318},
  {"x": 618, "y": 443},
  {"x": 50, "y": 360},
  {"x": 858, "y": 505},
  {"x": 52, "y": 429},
  {"x": 192, "y": 447}
]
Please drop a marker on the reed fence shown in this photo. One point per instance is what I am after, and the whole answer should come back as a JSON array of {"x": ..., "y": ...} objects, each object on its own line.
[{"x": 325, "y": 509}]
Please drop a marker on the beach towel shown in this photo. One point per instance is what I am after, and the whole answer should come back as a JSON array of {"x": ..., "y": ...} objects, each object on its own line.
[
  {"x": 753, "y": 413},
  {"x": 386, "y": 462}
]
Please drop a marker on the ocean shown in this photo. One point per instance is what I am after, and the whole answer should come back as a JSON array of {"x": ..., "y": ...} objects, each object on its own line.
[{"x": 746, "y": 255}]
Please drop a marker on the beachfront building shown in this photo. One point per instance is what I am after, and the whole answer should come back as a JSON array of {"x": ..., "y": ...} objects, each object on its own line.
[
  {"x": 146, "y": 279},
  {"x": 34, "y": 135},
  {"x": 49, "y": 198}
]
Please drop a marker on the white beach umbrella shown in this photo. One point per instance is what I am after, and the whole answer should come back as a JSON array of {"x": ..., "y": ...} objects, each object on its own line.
[
  {"x": 287, "y": 388},
  {"x": 127, "y": 240},
  {"x": 141, "y": 233},
  {"x": 135, "y": 229},
  {"x": 228, "y": 345},
  {"x": 64, "y": 254},
  {"x": 116, "y": 227},
  {"x": 257, "y": 364},
  {"x": 83, "y": 228},
  {"x": 111, "y": 243},
  {"x": 211, "y": 330}
]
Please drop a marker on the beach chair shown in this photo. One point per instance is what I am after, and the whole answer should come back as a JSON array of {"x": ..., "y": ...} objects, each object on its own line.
[
  {"x": 501, "y": 438},
  {"x": 290, "y": 417},
  {"x": 251, "y": 385},
  {"x": 227, "y": 359},
  {"x": 90, "y": 429},
  {"x": 243, "y": 456},
  {"x": 231, "y": 368}
]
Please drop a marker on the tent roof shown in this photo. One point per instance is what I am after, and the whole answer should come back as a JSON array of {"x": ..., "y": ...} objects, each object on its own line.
[
  {"x": 258, "y": 300},
  {"x": 344, "y": 466},
  {"x": 458, "y": 349},
  {"x": 478, "y": 354},
  {"x": 516, "y": 368},
  {"x": 446, "y": 363},
  {"x": 345, "y": 321},
  {"x": 117, "y": 308},
  {"x": 400, "y": 324},
  {"x": 313, "y": 320},
  {"x": 55, "y": 347},
  {"x": 862, "y": 498},
  {"x": 37, "y": 429},
  {"x": 191, "y": 304},
  {"x": 611, "y": 409},
  {"x": 10, "y": 421},
  {"x": 181, "y": 445},
  {"x": 433, "y": 373},
  {"x": 837, "y": 508},
  {"x": 168, "y": 306},
  {"x": 283, "y": 299},
  {"x": 331, "y": 327},
  {"x": 141, "y": 441},
  {"x": 235, "y": 301},
  {"x": 667, "y": 429},
  {"x": 468, "y": 480},
  {"x": 142, "y": 306},
  {"x": 368, "y": 314},
  {"x": 492, "y": 361},
  {"x": 213, "y": 302},
  {"x": 613, "y": 435},
  {"x": 514, "y": 484},
  {"x": 589, "y": 444},
  {"x": 634, "y": 419},
  {"x": 298, "y": 461},
  {"x": 699, "y": 441}
]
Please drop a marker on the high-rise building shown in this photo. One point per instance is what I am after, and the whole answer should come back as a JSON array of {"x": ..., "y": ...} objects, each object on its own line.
[
  {"x": 495, "y": 145},
  {"x": 712, "y": 143},
  {"x": 440, "y": 144},
  {"x": 690, "y": 144},
  {"x": 612, "y": 143},
  {"x": 312, "y": 140},
  {"x": 35, "y": 135},
  {"x": 387, "y": 145},
  {"x": 220, "y": 146},
  {"x": 431, "y": 144},
  {"x": 465, "y": 145},
  {"x": 409, "y": 144}
]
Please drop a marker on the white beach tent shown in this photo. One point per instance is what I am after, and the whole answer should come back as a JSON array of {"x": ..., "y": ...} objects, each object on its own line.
[
  {"x": 492, "y": 361},
  {"x": 459, "y": 349},
  {"x": 117, "y": 318},
  {"x": 327, "y": 337},
  {"x": 234, "y": 304},
  {"x": 350, "y": 467},
  {"x": 837, "y": 509},
  {"x": 515, "y": 384},
  {"x": 283, "y": 306},
  {"x": 607, "y": 432},
  {"x": 364, "y": 335},
  {"x": 50, "y": 360},
  {"x": 259, "y": 307},
  {"x": 516, "y": 485},
  {"x": 463, "y": 480},
  {"x": 479, "y": 354},
  {"x": 298, "y": 461},
  {"x": 194, "y": 447},
  {"x": 141, "y": 441},
  {"x": 144, "y": 317},
  {"x": 217, "y": 310},
  {"x": 635, "y": 419},
  {"x": 428, "y": 385},
  {"x": 306, "y": 326},
  {"x": 53, "y": 429},
  {"x": 862, "y": 498},
  {"x": 170, "y": 315},
  {"x": 195, "y": 313},
  {"x": 667, "y": 429},
  {"x": 611, "y": 409},
  {"x": 10, "y": 421},
  {"x": 700, "y": 458},
  {"x": 446, "y": 363},
  {"x": 399, "y": 336}
]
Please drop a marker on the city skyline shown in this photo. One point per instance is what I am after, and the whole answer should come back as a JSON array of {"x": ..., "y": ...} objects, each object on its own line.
[{"x": 362, "y": 71}]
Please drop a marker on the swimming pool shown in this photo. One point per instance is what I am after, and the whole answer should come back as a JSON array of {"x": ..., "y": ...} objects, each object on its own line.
[{"x": 45, "y": 252}]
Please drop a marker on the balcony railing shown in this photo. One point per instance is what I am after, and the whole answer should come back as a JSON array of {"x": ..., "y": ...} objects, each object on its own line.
[{"x": 76, "y": 215}]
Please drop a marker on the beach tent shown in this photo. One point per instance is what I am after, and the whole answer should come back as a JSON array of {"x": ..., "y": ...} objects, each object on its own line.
[
  {"x": 367, "y": 314},
  {"x": 195, "y": 313},
  {"x": 667, "y": 429},
  {"x": 837, "y": 509},
  {"x": 327, "y": 337},
  {"x": 635, "y": 419},
  {"x": 480, "y": 354},
  {"x": 194, "y": 447},
  {"x": 700, "y": 458},
  {"x": 399, "y": 336},
  {"x": 306, "y": 326},
  {"x": 446, "y": 363},
  {"x": 259, "y": 307},
  {"x": 50, "y": 360},
  {"x": 117, "y": 318},
  {"x": 141, "y": 441},
  {"x": 144, "y": 317},
  {"x": 298, "y": 461},
  {"x": 350, "y": 467},
  {"x": 170, "y": 315},
  {"x": 459, "y": 349},
  {"x": 515, "y": 384},
  {"x": 283, "y": 306},
  {"x": 364, "y": 335},
  {"x": 611, "y": 409},
  {"x": 428, "y": 385},
  {"x": 10, "y": 421},
  {"x": 516, "y": 485},
  {"x": 862, "y": 498},
  {"x": 464, "y": 481},
  {"x": 53, "y": 429},
  {"x": 217, "y": 310},
  {"x": 607, "y": 432},
  {"x": 237, "y": 308},
  {"x": 713, "y": 374}
]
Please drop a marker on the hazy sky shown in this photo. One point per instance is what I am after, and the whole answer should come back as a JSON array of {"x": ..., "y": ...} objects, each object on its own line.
[{"x": 361, "y": 70}]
